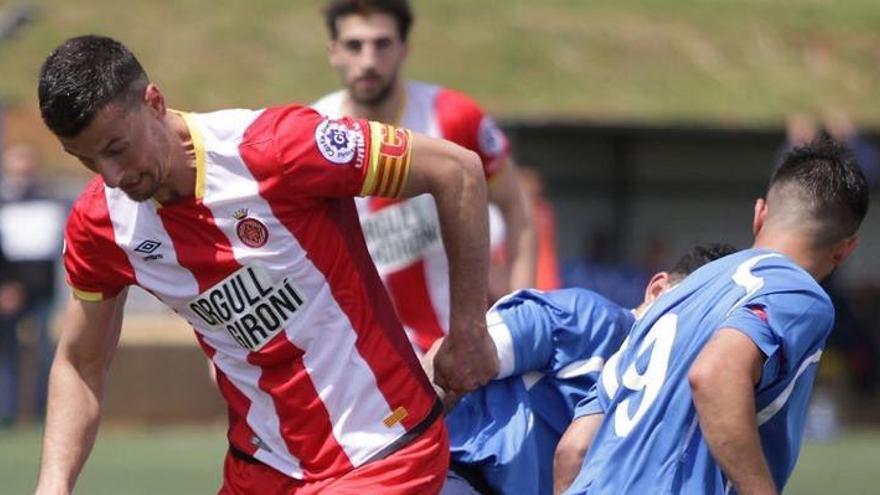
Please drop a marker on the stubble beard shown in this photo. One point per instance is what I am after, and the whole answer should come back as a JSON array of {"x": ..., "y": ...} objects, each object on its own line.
[{"x": 374, "y": 99}]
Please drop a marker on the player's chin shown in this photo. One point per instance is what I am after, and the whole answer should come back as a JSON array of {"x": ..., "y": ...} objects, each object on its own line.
[
  {"x": 140, "y": 195},
  {"x": 369, "y": 94}
]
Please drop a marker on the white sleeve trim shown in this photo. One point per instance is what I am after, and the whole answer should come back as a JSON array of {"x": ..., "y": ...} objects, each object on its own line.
[
  {"x": 774, "y": 407},
  {"x": 500, "y": 334}
]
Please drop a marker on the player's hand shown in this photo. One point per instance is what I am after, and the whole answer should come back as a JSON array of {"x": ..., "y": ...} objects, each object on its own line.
[
  {"x": 448, "y": 399},
  {"x": 464, "y": 363}
]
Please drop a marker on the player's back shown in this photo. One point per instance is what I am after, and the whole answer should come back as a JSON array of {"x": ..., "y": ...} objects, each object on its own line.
[
  {"x": 650, "y": 441},
  {"x": 553, "y": 345}
]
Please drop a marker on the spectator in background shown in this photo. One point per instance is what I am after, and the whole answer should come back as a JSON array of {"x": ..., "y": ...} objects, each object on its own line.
[
  {"x": 800, "y": 129},
  {"x": 841, "y": 128},
  {"x": 547, "y": 265},
  {"x": 30, "y": 241}
]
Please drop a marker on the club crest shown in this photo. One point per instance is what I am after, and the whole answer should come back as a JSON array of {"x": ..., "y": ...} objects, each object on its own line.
[{"x": 251, "y": 231}]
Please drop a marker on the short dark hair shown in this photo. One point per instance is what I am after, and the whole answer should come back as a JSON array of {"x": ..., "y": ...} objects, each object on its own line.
[
  {"x": 83, "y": 75},
  {"x": 697, "y": 257},
  {"x": 400, "y": 10},
  {"x": 827, "y": 183}
]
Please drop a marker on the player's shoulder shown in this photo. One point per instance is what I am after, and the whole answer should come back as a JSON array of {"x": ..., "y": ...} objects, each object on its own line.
[
  {"x": 88, "y": 210},
  {"x": 330, "y": 104},
  {"x": 221, "y": 125},
  {"x": 779, "y": 272},
  {"x": 91, "y": 198},
  {"x": 289, "y": 120},
  {"x": 772, "y": 279},
  {"x": 454, "y": 101}
]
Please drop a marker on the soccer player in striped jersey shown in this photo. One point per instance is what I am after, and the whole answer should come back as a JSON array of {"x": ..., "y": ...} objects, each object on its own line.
[
  {"x": 551, "y": 346},
  {"x": 243, "y": 223},
  {"x": 368, "y": 47},
  {"x": 709, "y": 392}
]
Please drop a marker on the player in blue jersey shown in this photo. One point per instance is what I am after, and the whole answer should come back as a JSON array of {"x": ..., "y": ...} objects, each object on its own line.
[
  {"x": 709, "y": 391},
  {"x": 551, "y": 347}
]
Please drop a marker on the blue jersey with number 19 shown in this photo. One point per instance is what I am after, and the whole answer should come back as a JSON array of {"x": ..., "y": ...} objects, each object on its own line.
[{"x": 650, "y": 440}]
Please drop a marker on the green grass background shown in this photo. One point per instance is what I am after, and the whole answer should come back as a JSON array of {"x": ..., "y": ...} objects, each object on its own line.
[
  {"x": 189, "y": 461},
  {"x": 719, "y": 61}
]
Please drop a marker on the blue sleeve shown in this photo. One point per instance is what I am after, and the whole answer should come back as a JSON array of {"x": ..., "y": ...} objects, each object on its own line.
[
  {"x": 590, "y": 404},
  {"x": 786, "y": 324},
  {"x": 553, "y": 330}
]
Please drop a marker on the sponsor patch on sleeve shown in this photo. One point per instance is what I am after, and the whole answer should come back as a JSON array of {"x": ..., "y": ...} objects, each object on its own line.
[
  {"x": 338, "y": 141},
  {"x": 758, "y": 311},
  {"x": 490, "y": 139}
]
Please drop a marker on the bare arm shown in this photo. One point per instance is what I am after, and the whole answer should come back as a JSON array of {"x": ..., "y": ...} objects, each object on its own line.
[
  {"x": 723, "y": 382},
  {"x": 76, "y": 383},
  {"x": 521, "y": 242},
  {"x": 454, "y": 177},
  {"x": 571, "y": 450}
]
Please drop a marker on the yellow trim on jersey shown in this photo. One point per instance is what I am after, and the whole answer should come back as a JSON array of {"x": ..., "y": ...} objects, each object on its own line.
[
  {"x": 388, "y": 165},
  {"x": 85, "y": 295},
  {"x": 402, "y": 171},
  {"x": 373, "y": 160},
  {"x": 199, "y": 145}
]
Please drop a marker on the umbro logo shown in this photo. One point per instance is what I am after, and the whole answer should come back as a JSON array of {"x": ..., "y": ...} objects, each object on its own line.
[{"x": 147, "y": 247}]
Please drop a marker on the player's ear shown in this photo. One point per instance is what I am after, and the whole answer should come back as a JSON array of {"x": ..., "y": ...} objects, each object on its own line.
[
  {"x": 844, "y": 249},
  {"x": 154, "y": 99},
  {"x": 331, "y": 50},
  {"x": 658, "y": 284},
  {"x": 760, "y": 215}
]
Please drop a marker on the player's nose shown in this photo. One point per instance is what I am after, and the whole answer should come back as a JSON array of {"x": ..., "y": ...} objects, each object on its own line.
[
  {"x": 368, "y": 56},
  {"x": 112, "y": 172}
]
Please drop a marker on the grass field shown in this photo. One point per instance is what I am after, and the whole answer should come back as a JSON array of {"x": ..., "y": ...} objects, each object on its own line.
[
  {"x": 658, "y": 60},
  {"x": 188, "y": 462}
]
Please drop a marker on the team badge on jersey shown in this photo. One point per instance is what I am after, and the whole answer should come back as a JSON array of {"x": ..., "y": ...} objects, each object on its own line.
[
  {"x": 251, "y": 231},
  {"x": 339, "y": 142},
  {"x": 491, "y": 139}
]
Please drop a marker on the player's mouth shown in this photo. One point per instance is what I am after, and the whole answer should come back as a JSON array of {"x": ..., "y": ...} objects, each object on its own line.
[
  {"x": 131, "y": 185},
  {"x": 368, "y": 80}
]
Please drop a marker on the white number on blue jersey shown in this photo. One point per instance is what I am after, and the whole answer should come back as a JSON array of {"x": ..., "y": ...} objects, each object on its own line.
[{"x": 658, "y": 342}]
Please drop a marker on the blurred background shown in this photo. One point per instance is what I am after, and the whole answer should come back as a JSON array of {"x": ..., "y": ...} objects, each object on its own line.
[{"x": 647, "y": 126}]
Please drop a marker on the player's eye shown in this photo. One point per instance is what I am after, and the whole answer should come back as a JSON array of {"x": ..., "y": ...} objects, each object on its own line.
[
  {"x": 383, "y": 43},
  {"x": 353, "y": 46},
  {"x": 116, "y": 150}
]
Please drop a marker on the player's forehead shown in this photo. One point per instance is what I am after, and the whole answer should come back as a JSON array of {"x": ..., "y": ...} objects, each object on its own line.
[
  {"x": 112, "y": 123},
  {"x": 358, "y": 27}
]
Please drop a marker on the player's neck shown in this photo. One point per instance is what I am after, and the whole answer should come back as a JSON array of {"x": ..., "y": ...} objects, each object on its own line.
[
  {"x": 797, "y": 249},
  {"x": 181, "y": 181},
  {"x": 390, "y": 110}
]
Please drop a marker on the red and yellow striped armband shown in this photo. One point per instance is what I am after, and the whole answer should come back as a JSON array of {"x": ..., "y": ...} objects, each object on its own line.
[{"x": 388, "y": 163}]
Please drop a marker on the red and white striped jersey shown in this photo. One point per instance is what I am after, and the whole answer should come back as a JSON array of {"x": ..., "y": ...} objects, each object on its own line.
[
  {"x": 269, "y": 265},
  {"x": 403, "y": 236}
]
